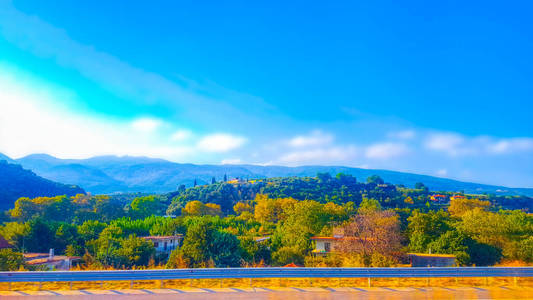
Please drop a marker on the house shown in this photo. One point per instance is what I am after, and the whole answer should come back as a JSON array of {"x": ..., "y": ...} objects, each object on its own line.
[
  {"x": 324, "y": 244},
  {"x": 261, "y": 239},
  {"x": 439, "y": 198},
  {"x": 431, "y": 260},
  {"x": 49, "y": 261},
  {"x": 165, "y": 244},
  {"x": 457, "y": 197}
]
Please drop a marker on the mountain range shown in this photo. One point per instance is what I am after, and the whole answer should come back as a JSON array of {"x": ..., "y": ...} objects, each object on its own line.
[{"x": 113, "y": 174}]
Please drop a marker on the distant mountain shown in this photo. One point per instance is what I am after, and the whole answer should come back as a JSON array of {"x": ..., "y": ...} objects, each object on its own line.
[
  {"x": 110, "y": 174},
  {"x": 16, "y": 182}
]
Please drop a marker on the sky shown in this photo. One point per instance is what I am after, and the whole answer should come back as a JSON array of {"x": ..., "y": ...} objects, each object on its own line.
[{"x": 442, "y": 89}]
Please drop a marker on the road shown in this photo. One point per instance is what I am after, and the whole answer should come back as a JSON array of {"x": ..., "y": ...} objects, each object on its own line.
[{"x": 280, "y": 294}]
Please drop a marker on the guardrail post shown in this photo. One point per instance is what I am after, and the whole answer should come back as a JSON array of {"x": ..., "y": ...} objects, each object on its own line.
[
  {"x": 515, "y": 281},
  {"x": 190, "y": 282},
  {"x": 427, "y": 281},
  {"x": 131, "y": 284},
  {"x": 161, "y": 284},
  {"x": 40, "y": 286},
  {"x": 70, "y": 285},
  {"x": 221, "y": 282},
  {"x": 251, "y": 283},
  {"x": 486, "y": 281},
  {"x": 369, "y": 282},
  {"x": 339, "y": 282},
  {"x": 101, "y": 284},
  {"x": 9, "y": 286}
]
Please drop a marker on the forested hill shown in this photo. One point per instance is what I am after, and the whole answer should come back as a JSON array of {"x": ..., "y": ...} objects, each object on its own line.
[
  {"x": 324, "y": 188},
  {"x": 16, "y": 182},
  {"x": 111, "y": 174}
]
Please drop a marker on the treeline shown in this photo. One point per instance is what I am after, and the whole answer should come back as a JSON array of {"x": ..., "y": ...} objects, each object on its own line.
[
  {"x": 269, "y": 223},
  {"x": 325, "y": 188}
]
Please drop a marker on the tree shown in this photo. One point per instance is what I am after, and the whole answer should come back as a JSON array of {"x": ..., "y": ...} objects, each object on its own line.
[
  {"x": 375, "y": 179},
  {"x": 225, "y": 250},
  {"x": 142, "y": 207},
  {"x": 15, "y": 233},
  {"x": 421, "y": 186},
  {"x": 134, "y": 251},
  {"x": 369, "y": 233},
  {"x": 423, "y": 228},
  {"x": 369, "y": 206},
  {"x": 461, "y": 205},
  {"x": 197, "y": 208},
  {"x": 241, "y": 207},
  {"x": 266, "y": 209},
  {"x": 213, "y": 180},
  {"x": 10, "y": 260},
  {"x": 41, "y": 236},
  {"x": 225, "y": 178},
  {"x": 253, "y": 251}
]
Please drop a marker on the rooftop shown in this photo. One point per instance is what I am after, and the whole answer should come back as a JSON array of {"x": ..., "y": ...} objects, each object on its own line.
[
  {"x": 431, "y": 255},
  {"x": 163, "y": 237}
]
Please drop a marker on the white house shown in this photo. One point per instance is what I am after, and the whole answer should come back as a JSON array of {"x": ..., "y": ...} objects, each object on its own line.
[
  {"x": 165, "y": 244},
  {"x": 324, "y": 244}
]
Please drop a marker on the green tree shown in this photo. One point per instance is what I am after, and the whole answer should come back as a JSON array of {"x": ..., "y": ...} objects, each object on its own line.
[
  {"x": 375, "y": 179},
  {"x": 143, "y": 207},
  {"x": 423, "y": 228},
  {"x": 134, "y": 251},
  {"x": 10, "y": 260}
]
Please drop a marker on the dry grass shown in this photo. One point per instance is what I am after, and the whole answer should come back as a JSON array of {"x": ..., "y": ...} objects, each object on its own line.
[{"x": 274, "y": 282}]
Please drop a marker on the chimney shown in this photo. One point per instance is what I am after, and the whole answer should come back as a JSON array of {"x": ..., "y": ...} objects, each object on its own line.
[{"x": 51, "y": 255}]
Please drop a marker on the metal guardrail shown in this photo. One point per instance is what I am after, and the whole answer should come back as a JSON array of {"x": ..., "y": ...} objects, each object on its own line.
[{"x": 222, "y": 273}]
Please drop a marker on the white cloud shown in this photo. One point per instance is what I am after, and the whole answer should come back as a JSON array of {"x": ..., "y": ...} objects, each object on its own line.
[
  {"x": 455, "y": 144},
  {"x": 231, "y": 161},
  {"x": 146, "y": 124},
  {"x": 504, "y": 146},
  {"x": 338, "y": 155},
  {"x": 220, "y": 142},
  {"x": 403, "y": 134},
  {"x": 32, "y": 121},
  {"x": 181, "y": 135},
  {"x": 386, "y": 150},
  {"x": 316, "y": 138},
  {"x": 451, "y": 143},
  {"x": 442, "y": 172}
]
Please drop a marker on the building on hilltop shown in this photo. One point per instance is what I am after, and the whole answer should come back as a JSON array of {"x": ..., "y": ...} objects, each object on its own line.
[{"x": 439, "y": 198}]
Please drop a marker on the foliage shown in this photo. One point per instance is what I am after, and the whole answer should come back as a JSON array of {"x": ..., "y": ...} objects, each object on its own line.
[{"x": 10, "y": 260}]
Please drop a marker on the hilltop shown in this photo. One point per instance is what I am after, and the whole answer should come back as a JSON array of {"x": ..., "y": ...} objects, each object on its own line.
[{"x": 16, "y": 182}]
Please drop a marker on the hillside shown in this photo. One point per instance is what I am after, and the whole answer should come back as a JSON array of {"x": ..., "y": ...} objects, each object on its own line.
[
  {"x": 16, "y": 182},
  {"x": 110, "y": 174}
]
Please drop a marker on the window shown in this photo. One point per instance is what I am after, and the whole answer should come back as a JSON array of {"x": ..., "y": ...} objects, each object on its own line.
[
  {"x": 165, "y": 247},
  {"x": 327, "y": 247},
  {"x": 156, "y": 244}
]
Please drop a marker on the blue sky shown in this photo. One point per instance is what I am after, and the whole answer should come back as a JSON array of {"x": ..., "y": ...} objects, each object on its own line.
[{"x": 442, "y": 89}]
